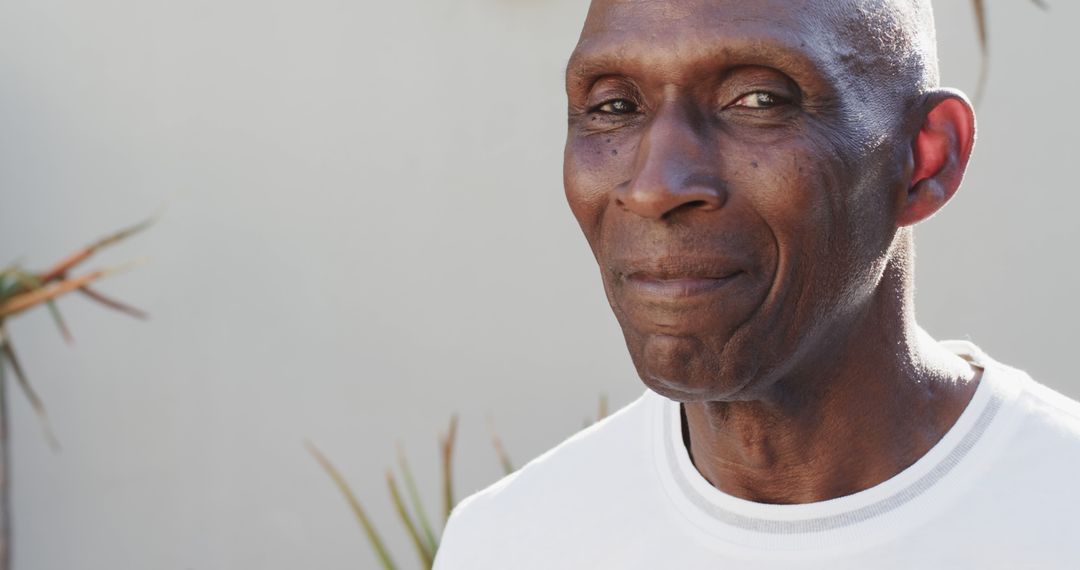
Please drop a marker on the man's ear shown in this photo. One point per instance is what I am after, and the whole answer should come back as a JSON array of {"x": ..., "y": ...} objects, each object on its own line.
[{"x": 939, "y": 155}]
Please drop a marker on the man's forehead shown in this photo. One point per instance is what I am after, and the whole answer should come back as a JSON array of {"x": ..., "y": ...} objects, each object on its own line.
[
  {"x": 605, "y": 15},
  {"x": 645, "y": 30}
]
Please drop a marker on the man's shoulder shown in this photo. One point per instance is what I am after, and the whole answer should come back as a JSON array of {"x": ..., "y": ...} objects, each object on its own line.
[
  {"x": 1036, "y": 409},
  {"x": 1041, "y": 435},
  {"x": 582, "y": 476},
  {"x": 1037, "y": 405},
  {"x": 1023, "y": 469},
  {"x": 583, "y": 460},
  {"x": 1050, "y": 415},
  {"x": 1048, "y": 404}
]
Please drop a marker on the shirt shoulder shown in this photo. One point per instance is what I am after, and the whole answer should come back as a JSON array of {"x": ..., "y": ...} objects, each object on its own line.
[
  {"x": 1049, "y": 432},
  {"x": 1043, "y": 413},
  {"x": 1023, "y": 497},
  {"x": 562, "y": 493}
]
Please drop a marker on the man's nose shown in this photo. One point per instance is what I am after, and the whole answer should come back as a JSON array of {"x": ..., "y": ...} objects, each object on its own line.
[{"x": 672, "y": 169}]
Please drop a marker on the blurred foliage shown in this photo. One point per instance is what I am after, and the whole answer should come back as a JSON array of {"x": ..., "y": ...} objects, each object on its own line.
[
  {"x": 982, "y": 28},
  {"x": 415, "y": 521},
  {"x": 22, "y": 290}
]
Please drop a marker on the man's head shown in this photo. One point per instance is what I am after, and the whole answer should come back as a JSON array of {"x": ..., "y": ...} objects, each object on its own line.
[{"x": 746, "y": 173}]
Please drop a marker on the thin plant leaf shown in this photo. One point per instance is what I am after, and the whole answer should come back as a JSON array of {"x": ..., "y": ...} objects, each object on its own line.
[
  {"x": 980, "y": 22},
  {"x": 36, "y": 403},
  {"x": 31, "y": 283},
  {"x": 447, "y": 448},
  {"x": 113, "y": 303},
  {"x": 29, "y": 299},
  {"x": 500, "y": 450},
  {"x": 984, "y": 48},
  {"x": 426, "y": 557},
  {"x": 983, "y": 31},
  {"x": 358, "y": 510},
  {"x": 8, "y": 281},
  {"x": 61, "y": 269},
  {"x": 58, "y": 319},
  {"x": 23, "y": 301},
  {"x": 5, "y": 470},
  {"x": 418, "y": 505}
]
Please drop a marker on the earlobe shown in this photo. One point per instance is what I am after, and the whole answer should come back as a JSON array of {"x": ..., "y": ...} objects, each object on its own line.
[{"x": 940, "y": 153}]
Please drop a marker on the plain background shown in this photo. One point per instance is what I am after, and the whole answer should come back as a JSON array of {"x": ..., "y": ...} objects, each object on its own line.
[{"x": 365, "y": 232}]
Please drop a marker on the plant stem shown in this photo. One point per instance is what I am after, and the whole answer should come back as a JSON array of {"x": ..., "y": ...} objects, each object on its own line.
[
  {"x": 5, "y": 472},
  {"x": 426, "y": 557},
  {"x": 414, "y": 496},
  {"x": 447, "y": 468},
  {"x": 354, "y": 503}
]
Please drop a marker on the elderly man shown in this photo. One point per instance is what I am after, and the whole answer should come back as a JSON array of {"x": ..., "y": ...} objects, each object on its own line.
[{"x": 747, "y": 173}]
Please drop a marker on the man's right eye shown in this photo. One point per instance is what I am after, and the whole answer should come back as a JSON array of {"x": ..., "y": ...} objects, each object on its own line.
[{"x": 616, "y": 107}]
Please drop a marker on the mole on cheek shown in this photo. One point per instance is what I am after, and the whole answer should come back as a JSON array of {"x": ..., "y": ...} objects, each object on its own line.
[
  {"x": 614, "y": 151},
  {"x": 753, "y": 164}
]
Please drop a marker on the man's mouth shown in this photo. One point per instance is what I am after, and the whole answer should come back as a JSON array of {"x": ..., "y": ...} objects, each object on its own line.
[{"x": 671, "y": 287}]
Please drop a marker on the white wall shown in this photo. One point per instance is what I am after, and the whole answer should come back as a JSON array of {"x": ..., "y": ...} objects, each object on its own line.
[{"x": 365, "y": 233}]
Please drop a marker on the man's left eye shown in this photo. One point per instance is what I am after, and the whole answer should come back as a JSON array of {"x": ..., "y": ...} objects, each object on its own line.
[{"x": 758, "y": 100}]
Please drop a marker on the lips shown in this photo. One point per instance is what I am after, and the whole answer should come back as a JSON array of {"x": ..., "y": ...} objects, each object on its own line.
[
  {"x": 675, "y": 279},
  {"x": 672, "y": 294},
  {"x": 670, "y": 286},
  {"x": 675, "y": 286}
]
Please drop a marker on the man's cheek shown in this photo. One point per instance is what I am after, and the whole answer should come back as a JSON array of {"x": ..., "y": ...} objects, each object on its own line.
[
  {"x": 791, "y": 188},
  {"x": 589, "y": 179}
]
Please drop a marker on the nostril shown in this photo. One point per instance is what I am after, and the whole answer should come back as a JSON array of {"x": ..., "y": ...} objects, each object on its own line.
[
  {"x": 655, "y": 199},
  {"x": 704, "y": 205}
]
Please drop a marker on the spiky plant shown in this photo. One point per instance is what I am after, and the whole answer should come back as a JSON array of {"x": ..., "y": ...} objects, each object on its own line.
[
  {"x": 415, "y": 521},
  {"x": 22, "y": 290}
]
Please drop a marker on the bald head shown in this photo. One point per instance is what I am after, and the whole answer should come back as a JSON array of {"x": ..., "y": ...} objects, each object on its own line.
[{"x": 893, "y": 40}]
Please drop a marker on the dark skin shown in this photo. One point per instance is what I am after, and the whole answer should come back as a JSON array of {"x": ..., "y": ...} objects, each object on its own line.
[{"x": 747, "y": 175}]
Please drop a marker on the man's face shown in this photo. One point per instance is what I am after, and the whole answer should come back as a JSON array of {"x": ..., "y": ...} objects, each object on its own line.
[{"x": 722, "y": 163}]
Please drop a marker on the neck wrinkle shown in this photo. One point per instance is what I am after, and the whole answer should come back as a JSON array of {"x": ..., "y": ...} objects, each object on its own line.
[{"x": 870, "y": 404}]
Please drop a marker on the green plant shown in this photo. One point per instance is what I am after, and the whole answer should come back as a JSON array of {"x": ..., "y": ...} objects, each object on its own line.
[
  {"x": 415, "y": 520},
  {"x": 20, "y": 291}
]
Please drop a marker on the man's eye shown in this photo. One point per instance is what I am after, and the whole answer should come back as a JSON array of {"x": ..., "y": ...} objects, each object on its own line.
[
  {"x": 616, "y": 107},
  {"x": 759, "y": 100}
]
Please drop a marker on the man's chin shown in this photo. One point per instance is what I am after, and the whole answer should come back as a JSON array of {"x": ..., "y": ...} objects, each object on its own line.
[
  {"x": 687, "y": 392},
  {"x": 684, "y": 369}
]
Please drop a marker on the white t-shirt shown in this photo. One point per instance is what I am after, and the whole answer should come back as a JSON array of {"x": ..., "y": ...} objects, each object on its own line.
[{"x": 1000, "y": 490}]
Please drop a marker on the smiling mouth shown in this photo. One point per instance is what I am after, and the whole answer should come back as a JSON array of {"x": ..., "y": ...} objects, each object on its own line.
[{"x": 675, "y": 287}]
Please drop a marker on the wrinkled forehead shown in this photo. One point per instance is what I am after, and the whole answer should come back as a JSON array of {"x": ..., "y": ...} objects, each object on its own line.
[
  {"x": 606, "y": 14},
  {"x": 805, "y": 37}
]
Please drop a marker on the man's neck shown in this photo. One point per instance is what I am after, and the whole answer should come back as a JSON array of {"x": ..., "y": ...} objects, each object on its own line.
[{"x": 856, "y": 420}]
